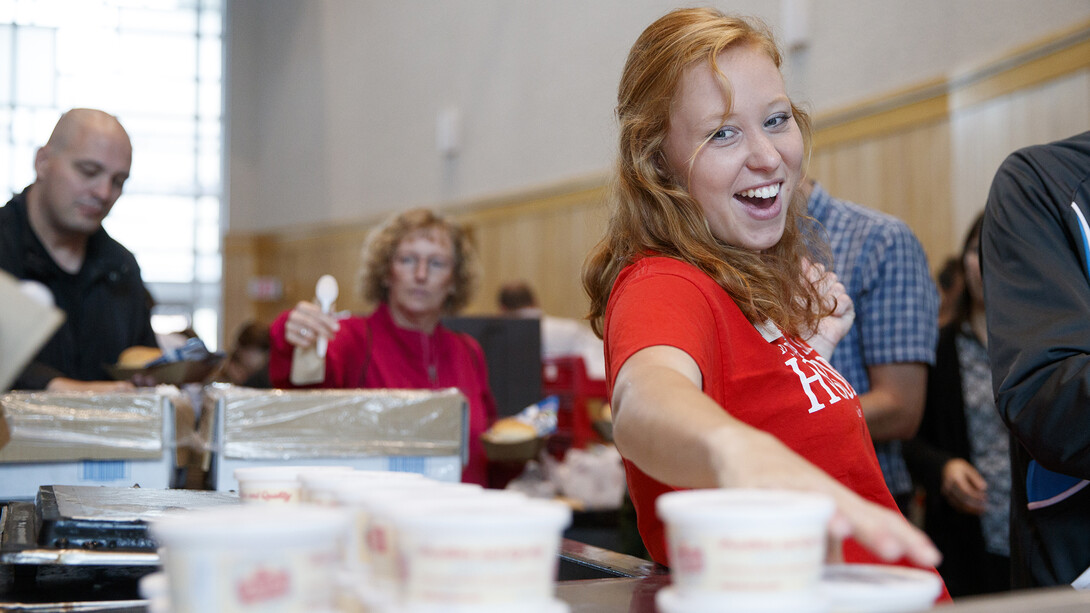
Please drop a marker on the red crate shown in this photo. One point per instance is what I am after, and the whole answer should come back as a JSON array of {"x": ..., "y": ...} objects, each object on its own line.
[{"x": 566, "y": 378}]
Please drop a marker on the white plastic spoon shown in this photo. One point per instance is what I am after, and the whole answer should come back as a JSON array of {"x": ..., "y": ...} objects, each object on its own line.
[{"x": 326, "y": 292}]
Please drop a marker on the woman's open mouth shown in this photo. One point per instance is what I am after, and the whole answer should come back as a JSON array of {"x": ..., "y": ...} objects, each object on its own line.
[{"x": 761, "y": 202}]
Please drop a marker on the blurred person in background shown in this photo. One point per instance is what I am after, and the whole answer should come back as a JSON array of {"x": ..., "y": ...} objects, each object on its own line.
[
  {"x": 52, "y": 233},
  {"x": 961, "y": 454},
  {"x": 417, "y": 267},
  {"x": 248, "y": 362},
  {"x": 886, "y": 354},
  {"x": 950, "y": 284},
  {"x": 560, "y": 336}
]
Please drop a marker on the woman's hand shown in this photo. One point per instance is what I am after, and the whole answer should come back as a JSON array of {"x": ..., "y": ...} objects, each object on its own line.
[
  {"x": 834, "y": 326},
  {"x": 963, "y": 487},
  {"x": 306, "y": 323},
  {"x": 752, "y": 458}
]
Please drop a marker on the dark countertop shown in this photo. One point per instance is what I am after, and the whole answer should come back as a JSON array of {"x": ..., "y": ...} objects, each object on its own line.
[{"x": 637, "y": 595}]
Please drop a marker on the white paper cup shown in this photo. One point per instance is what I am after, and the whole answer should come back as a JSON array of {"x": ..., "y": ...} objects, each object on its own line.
[
  {"x": 740, "y": 540},
  {"x": 464, "y": 555},
  {"x": 877, "y": 588},
  {"x": 321, "y": 487},
  {"x": 383, "y": 529},
  {"x": 239, "y": 560},
  {"x": 276, "y": 484}
]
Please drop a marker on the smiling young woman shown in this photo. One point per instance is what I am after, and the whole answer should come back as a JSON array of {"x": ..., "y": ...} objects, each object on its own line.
[{"x": 717, "y": 326}]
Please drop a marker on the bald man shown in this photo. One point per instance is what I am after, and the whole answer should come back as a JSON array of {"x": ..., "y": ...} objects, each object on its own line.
[{"x": 52, "y": 233}]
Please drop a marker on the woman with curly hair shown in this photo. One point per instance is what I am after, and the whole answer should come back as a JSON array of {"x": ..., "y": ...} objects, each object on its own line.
[
  {"x": 416, "y": 268},
  {"x": 717, "y": 327}
]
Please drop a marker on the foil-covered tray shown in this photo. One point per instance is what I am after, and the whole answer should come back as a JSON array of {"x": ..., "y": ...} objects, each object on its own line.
[{"x": 86, "y": 525}]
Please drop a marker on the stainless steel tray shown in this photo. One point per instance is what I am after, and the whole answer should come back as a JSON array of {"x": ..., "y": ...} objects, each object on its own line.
[{"x": 91, "y": 526}]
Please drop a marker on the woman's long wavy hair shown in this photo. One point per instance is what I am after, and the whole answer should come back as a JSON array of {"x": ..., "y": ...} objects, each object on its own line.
[
  {"x": 651, "y": 213},
  {"x": 382, "y": 242}
]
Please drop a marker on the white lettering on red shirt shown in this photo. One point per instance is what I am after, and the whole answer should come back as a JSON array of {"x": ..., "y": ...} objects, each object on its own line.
[{"x": 810, "y": 368}]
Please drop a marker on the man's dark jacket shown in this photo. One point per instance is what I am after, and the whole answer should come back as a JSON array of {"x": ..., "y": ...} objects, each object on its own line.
[
  {"x": 106, "y": 305},
  {"x": 1036, "y": 263}
]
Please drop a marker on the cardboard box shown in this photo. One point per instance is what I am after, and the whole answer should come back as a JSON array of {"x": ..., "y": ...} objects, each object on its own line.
[
  {"x": 423, "y": 431},
  {"x": 79, "y": 438}
]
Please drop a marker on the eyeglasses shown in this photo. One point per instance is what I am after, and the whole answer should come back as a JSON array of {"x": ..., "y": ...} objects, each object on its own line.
[{"x": 412, "y": 262}]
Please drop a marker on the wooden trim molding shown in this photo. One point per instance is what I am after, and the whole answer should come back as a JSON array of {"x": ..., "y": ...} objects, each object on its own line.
[{"x": 1058, "y": 55}]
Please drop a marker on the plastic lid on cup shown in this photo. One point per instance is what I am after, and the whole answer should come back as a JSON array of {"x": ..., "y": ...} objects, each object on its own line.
[
  {"x": 726, "y": 506},
  {"x": 242, "y": 525},
  {"x": 360, "y": 493},
  {"x": 528, "y": 514},
  {"x": 319, "y": 478},
  {"x": 282, "y": 473},
  {"x": 322, "y": 486}
]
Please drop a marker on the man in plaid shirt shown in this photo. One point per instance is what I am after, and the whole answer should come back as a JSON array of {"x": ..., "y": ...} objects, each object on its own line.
[{"x": 886, "y": 354}]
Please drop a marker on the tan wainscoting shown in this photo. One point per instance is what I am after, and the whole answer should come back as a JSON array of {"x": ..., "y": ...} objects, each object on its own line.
[{"x": 926, "y": 154}]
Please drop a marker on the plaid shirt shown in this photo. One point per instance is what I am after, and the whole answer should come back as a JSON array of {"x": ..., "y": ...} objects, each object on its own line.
[{"x": 884, "y": 268}]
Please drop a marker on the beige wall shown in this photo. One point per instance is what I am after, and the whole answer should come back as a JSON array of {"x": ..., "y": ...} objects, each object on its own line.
[
  {"x": 924, "y": 153},
  {"x": 928, "y": 154},
  {"x": 332, "y": 105}
]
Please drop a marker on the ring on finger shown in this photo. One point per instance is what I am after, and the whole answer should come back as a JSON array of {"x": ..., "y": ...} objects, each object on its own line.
[{"x": 304, "y": 332}]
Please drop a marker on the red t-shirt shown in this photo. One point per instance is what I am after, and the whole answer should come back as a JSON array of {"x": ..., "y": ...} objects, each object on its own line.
[
  {"x": 373, "y": 352},
  {"x": 777, "y": 384}
]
